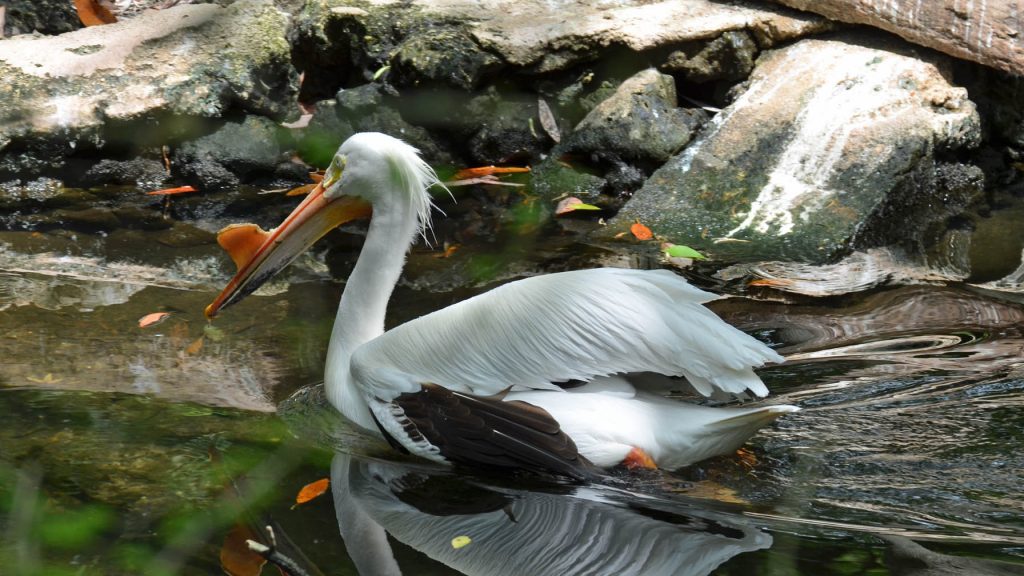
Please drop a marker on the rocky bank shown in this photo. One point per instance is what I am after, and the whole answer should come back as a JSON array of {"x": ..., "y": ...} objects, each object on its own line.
[{"x": 754, "y": 132}]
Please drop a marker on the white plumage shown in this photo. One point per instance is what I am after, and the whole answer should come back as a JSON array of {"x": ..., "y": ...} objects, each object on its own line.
[{"x": 449, "y": 386}]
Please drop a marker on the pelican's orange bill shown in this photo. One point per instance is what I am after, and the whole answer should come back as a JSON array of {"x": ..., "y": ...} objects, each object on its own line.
[{"x": 260, "y": 254}]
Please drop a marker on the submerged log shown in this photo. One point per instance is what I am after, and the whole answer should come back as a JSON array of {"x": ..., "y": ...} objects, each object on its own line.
[{"x": 985, "y": 32}]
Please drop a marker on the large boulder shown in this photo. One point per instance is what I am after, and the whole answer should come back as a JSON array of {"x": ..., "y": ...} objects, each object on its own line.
[
  {"x": 188, "y": 61},
  {"x": 465, "y": 43},
  {"x": 832, "y": 142},
  {"x": 985, "y": 32}
]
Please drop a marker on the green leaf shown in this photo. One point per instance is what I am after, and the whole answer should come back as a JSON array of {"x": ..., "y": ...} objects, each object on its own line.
[
  {"x": 584, "y": 207},
  {"x": 680, "y": 251},
  {"x": 381, "y": 71}
]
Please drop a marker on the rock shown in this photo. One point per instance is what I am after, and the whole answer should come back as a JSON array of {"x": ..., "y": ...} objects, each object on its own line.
[
  {"x": 984, "y": 32},
  {"x": 909, "y": 558},
  {"x": 552, "y": 180},
  {"x": 463, "y": 43},
  {"x": 190, "y": 60},
  {"x": 237, "y": 152},
  {"x": 827, "y": 134},
  {"x": 533, "y": 35},
  {"x": 142, "y": 173},
  {"x": 42, "y": 16},
  {"x": 728, "y": 57},
  {"x": 447, "y": 57},
  {"x": 639, "y": 123},
  {"x": 361, "y": 109},
  {"x": 504, "y": 128}
]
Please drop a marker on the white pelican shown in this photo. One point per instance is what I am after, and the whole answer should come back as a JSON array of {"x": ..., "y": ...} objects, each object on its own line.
[{"x": 550, "y": 373}]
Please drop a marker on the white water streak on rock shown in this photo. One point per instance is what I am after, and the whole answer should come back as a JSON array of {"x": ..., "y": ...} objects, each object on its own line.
[{"x": 842, "y": 105}]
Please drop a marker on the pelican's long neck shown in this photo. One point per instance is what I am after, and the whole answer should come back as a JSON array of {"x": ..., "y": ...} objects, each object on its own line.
[{"x": 364, "y": 302}]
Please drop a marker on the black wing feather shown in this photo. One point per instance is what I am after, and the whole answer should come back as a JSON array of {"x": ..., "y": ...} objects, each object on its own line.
[{"x": 487, "y": 431}]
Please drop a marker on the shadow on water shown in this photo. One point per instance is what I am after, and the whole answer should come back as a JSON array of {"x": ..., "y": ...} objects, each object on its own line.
[{"x": 128, "y": 450}]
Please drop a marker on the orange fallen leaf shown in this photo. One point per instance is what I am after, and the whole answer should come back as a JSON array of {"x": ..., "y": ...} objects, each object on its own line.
[
  {"x": 770, "y": 282},
  {"x": 301, "y": 190},
  {"x": 449, "y": 249},
  {"x": 195, "y": 347},
  {"x": 153, "y": 319},
  {"x": 92, "y": 13},
  {"x": 169, "y": 191},
  {"x": 490, "y": 179},
  {"x": 317, "y": 176},
  {"x": 312, "y": 490},
  {"x": 641, "y": 232},
  {"x": 487, "y": 171},
  {"x": 235, "y": 556}
]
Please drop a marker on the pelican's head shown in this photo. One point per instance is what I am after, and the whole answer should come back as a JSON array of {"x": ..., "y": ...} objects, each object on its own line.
[{"x": 369, "y": 171}]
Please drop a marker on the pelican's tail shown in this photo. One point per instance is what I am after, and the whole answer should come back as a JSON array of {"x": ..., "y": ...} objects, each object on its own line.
[{"x": 703, "y": 432}]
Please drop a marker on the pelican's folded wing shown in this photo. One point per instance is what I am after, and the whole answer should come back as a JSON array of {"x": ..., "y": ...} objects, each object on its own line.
[{"x": 539, "y": 331}]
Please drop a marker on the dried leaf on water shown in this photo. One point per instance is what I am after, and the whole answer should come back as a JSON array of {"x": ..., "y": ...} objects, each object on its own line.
[
  {"x": 770, "y": 282},
  {"x": 312, "y": 490},
  {"x": 170, "y": 191},
  {"x": 153, "y": 319},
  {"x": 547, "y": 120},
  {"x": 449, "y": 249},
  {"x": 93, "y": 13},
  {"x": 195, "y": 347},
  {"x": 301, "y": 190},
  {"x": 460, "y": 541},
  {"x": 489, "y": 179},
  {"x": 488, "y": 171},
  {"x": 572, "y": 204},
  {"x": 235, "y": 556},
  {"x": 302, "y": 122},
  {"x": 641, "y": 232}
]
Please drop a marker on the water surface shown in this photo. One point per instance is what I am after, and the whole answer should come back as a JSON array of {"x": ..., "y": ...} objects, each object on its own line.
[{"x": 128, "y": 450}]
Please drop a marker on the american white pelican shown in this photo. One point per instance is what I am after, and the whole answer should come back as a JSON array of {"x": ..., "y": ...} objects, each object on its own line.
[{"x": 550, "y": 373}]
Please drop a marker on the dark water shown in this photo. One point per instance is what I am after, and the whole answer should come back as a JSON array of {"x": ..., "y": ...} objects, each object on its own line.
[{"x": 128, "y": 450}]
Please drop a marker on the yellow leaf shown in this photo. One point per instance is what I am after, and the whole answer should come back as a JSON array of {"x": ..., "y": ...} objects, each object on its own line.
[{"x": 460, "y": 541}]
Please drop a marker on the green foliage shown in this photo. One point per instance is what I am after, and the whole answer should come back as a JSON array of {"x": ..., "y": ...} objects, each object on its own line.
[{"x": 74, "y": 529}]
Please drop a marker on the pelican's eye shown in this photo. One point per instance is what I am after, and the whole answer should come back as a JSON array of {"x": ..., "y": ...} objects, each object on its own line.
[{"x": 333, "y": 172}]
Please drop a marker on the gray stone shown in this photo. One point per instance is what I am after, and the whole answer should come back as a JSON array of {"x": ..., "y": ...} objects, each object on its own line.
[
  {"x": 140, "y": 172},
  {"x": 728, "y": 57},
  {"x": 190, "y": 60},
  {"x": 248, "y": 151},
  {"x": 552, "y": 180},
  {"x": 43, "y": 16},
  {"x": 448, "y": 57},
  {"x": 504, "y": 128},
  {"x": 640, "y": 122},
  {"x": 985, "y": 32},
  {"x": 532, "y": 35},
  {"x": 820, "y": 142}
]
